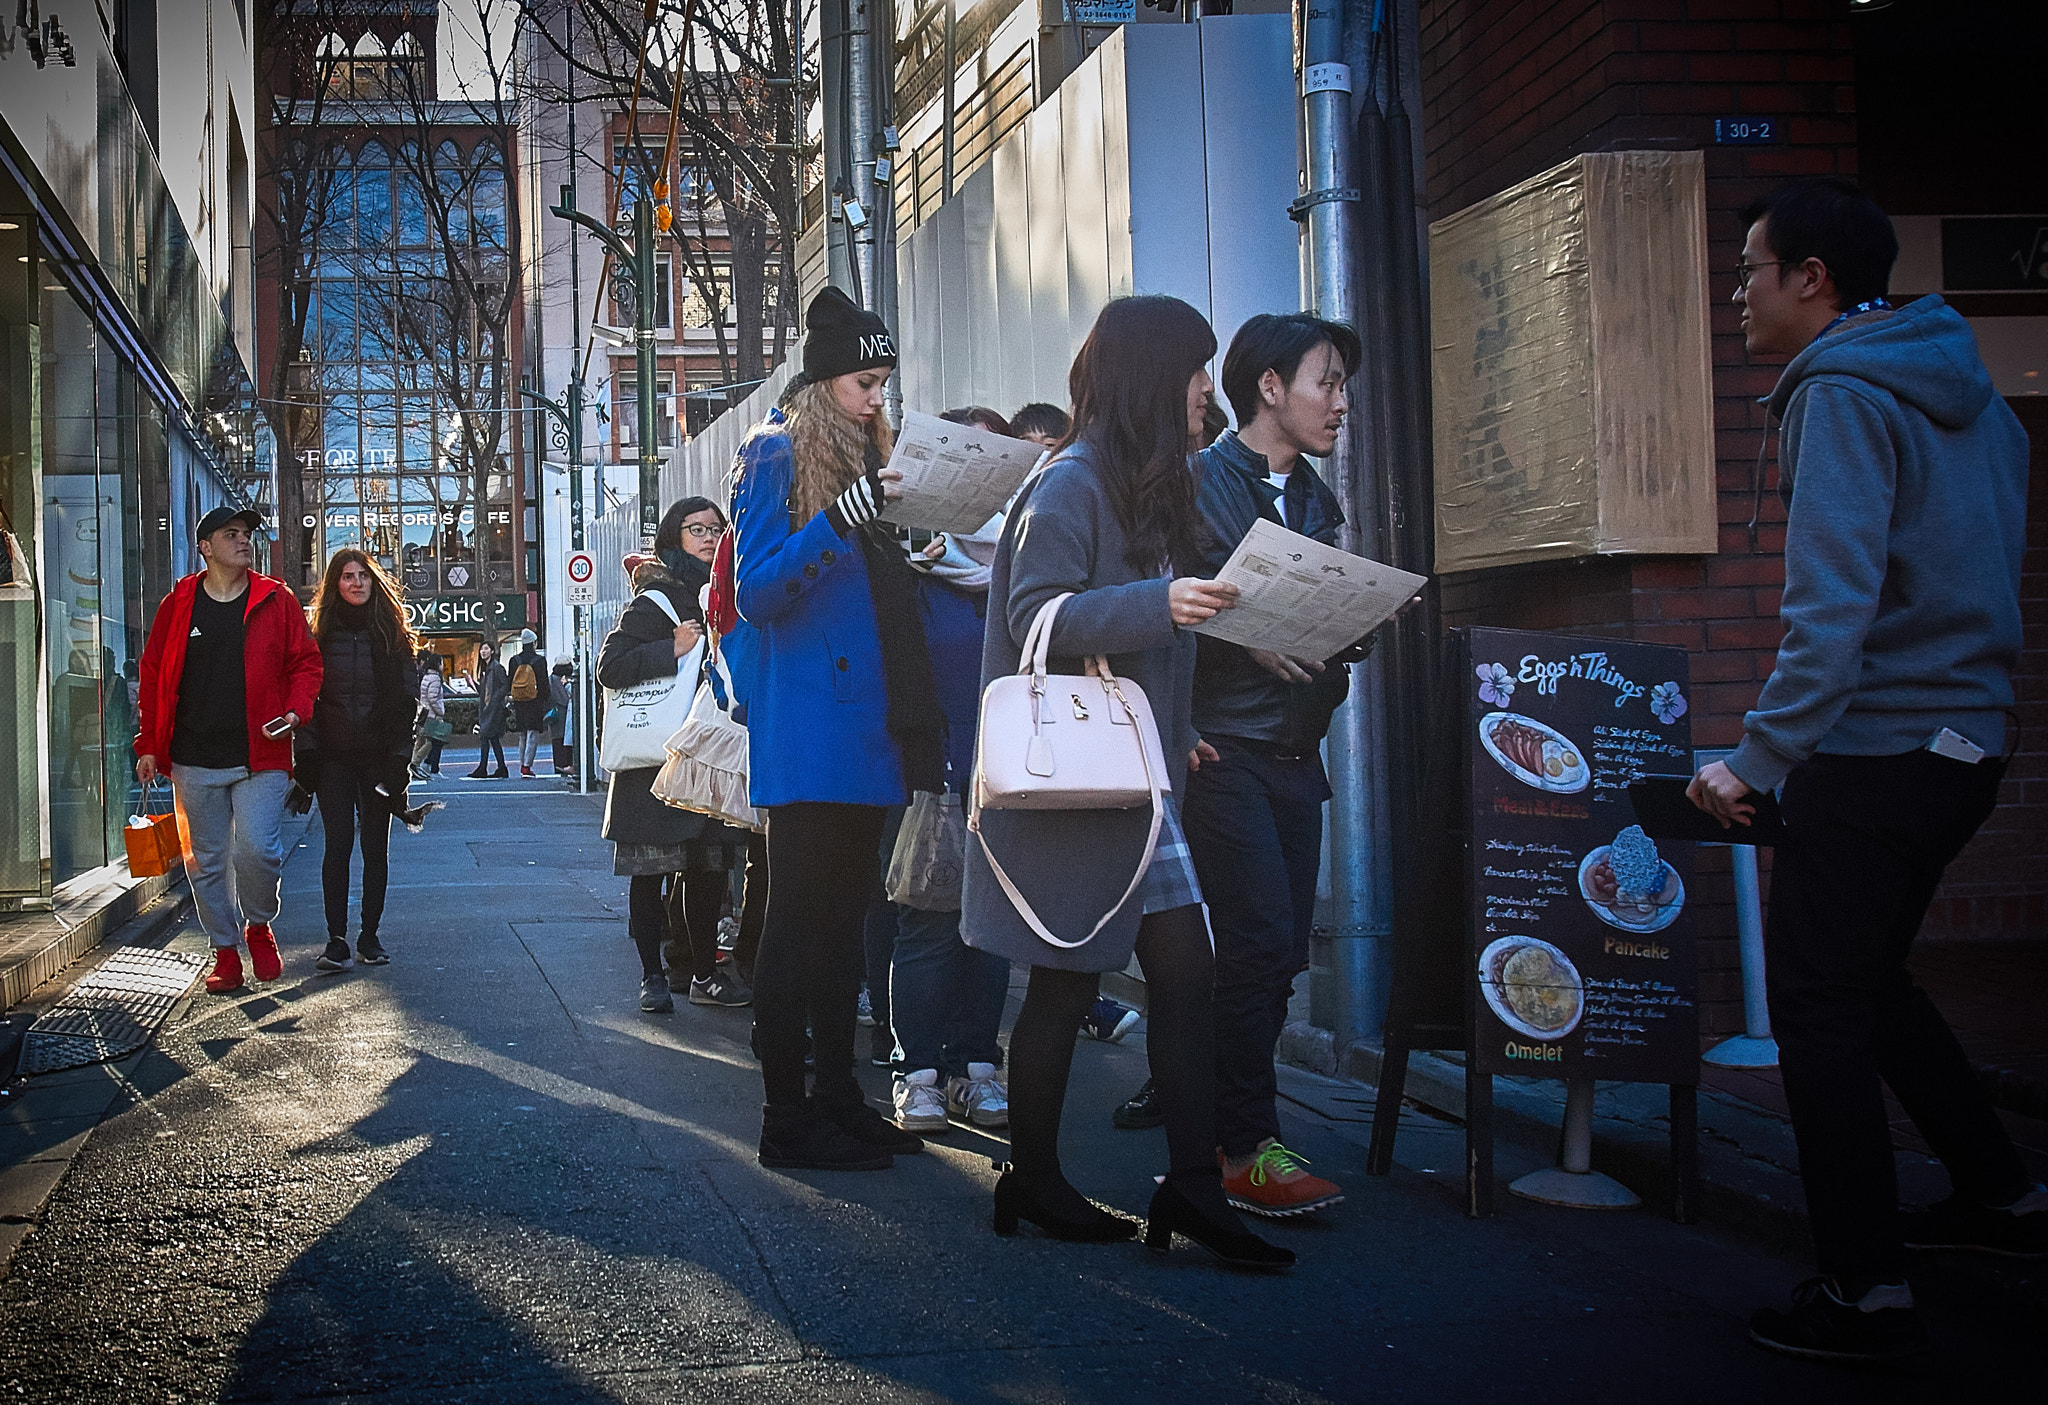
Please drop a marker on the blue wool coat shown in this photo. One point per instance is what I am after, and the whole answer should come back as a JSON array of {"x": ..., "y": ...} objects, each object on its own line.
[{"x": 817, "y": 706}]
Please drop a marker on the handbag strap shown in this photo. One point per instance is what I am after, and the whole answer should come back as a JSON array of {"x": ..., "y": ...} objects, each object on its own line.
[
  {"x": 1023, "y": 904},
  {"x": 668, "y": 607},
  {"x": 1032, "y": 658}
]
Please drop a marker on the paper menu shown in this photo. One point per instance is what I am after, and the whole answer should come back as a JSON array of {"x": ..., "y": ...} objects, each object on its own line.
[
  {"x": 955, "y": 476},
  {"x": 1299, "y": 597}
]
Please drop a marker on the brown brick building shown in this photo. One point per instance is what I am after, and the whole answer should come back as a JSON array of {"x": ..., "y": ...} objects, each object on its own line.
[{"x": 1926, "y": 105}]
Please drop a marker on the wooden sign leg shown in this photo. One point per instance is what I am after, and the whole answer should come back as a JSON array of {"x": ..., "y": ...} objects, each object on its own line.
[
  {"x": 1386, "y": 1113},
  {"x": 1685, "y": 1153}
]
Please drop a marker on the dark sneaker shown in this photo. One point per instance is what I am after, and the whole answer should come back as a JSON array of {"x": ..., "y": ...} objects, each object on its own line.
[
  {"x": 336, "y": 957},
  {"x": 720, "y": 989},
  {"x": 1109, "y": 1021},
  {"x": 654, "y": 996},
  {"x": 862, "y": 1121},
  {"x": 370, "y": 951},
  {"x": 864, "y": 1010},
  {"x": 2020, "y": 1231},
  {"x": 882, "y": 1046},
  {"x": 1141, "y": 1111},
  {"x": 801, "y": 1139},
  {"x": 1882, "y": 1325}
]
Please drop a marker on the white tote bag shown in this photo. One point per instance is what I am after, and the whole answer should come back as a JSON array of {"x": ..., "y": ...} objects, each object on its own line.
[
  {"x": 1066, "y": 742},
  {"x": 640, "y": 719},
  {"x": 706, "y": 767}
]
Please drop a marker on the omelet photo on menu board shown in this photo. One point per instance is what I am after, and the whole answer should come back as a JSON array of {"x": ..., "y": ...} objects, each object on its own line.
[
  {"x": 1532, "y": 986},
  {"x": 1535, "y": 754}
]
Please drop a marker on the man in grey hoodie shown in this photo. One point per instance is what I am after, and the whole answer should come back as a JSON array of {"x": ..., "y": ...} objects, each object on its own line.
[{"x": 1905, "y": 480}]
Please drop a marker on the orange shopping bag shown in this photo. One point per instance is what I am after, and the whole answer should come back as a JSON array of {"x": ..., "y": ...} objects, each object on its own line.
[{"x": 153, "y": 845}]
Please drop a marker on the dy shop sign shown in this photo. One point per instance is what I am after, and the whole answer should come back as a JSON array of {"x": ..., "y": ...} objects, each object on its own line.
[
  {"x": 463, "y": 614},
  {"x": 1581, "y": 951}
]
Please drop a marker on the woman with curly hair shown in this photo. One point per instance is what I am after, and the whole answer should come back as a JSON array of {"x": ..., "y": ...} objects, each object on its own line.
[{"x": 844, "y": 720}]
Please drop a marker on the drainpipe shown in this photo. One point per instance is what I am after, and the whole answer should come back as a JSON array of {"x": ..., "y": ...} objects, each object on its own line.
[{"x": 1359, "y": 919}]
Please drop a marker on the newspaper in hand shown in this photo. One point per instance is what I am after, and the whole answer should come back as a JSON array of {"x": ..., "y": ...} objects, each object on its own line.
[
  {"x": 955, "y": 476},
  {"x": 1301, "y": 598}
]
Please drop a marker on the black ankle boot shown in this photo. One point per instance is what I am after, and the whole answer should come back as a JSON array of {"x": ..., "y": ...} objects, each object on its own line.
[
  {"x": 1048, "y": 1201},
  {"x": 855, "y": 1117},
  {"x": 798, "y": 1137},
  {"x": 1215, "y": 1227}
]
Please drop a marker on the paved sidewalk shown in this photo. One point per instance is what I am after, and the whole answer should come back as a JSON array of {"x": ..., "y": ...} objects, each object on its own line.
[{"x": 481, "y": 1173}]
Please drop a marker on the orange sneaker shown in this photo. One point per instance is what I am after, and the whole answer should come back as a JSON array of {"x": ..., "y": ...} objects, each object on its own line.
[
  {"x": 1277, "y": 1185},
  {"x": 263, "y": 951},
  {"x": 227, "y": 970}
]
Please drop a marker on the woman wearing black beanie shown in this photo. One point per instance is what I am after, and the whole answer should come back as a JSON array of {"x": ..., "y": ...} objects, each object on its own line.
[{"x": 844, "y": 719}]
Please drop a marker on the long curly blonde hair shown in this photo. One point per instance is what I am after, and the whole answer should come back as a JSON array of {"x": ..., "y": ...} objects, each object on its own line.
[{"x": 830, "y": 448}]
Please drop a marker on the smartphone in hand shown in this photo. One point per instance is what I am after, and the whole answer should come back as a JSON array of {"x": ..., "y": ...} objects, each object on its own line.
[{"x": 277, "y": 727}]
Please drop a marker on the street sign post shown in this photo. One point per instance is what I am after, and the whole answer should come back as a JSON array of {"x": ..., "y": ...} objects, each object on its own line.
[{"x": 580, "y": 571}]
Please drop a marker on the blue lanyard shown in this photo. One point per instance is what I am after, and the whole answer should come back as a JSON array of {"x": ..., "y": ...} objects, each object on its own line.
[{"x": 1874, "y": 305}]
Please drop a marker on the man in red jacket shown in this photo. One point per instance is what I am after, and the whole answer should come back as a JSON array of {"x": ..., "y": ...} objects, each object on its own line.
[{"x": 230, "y": 670}]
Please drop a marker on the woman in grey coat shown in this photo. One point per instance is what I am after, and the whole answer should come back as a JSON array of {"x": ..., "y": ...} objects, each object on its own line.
[{"x": 1108, "y": 520}]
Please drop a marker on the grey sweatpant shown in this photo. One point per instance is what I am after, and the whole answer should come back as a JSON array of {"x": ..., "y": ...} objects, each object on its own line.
[{"x": 235, "y": 821}]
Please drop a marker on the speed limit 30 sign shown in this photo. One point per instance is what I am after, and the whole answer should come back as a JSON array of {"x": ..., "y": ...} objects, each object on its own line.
[{"x": 580, "y": 570}]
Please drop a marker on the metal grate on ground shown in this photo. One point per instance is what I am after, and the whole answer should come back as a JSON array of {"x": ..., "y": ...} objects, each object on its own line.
[{"x": 111, "y": 1013}]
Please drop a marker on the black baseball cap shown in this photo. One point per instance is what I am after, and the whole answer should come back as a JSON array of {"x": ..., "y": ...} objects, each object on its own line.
[{"x": 221, "y": 516}]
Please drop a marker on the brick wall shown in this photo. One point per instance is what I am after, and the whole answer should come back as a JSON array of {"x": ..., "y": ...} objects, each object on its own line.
[{"x": 1510, "y": 89}]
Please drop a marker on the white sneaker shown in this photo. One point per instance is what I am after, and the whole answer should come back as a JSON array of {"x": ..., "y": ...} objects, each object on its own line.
[
  {"x": 979, "y": 1099},
  {"x": 920, "y": 1106}
]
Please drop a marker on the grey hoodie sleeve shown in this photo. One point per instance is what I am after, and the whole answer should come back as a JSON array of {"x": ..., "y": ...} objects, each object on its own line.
[{"x": 1845, "y": 471}]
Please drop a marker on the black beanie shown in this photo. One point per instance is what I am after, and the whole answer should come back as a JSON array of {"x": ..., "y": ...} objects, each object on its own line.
[{"x": 841, "y": 337}]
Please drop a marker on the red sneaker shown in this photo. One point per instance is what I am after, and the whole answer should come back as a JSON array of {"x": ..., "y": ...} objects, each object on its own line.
[
  {"x": 526, "y": 772},
  {"x": 227, "y": 970},
  {"x": 263, "y": 951},
  {"x": 1277, "y": 1185}
]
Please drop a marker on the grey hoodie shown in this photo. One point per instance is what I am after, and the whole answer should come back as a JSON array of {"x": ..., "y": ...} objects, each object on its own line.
[{"x": 1908, "y": 489}]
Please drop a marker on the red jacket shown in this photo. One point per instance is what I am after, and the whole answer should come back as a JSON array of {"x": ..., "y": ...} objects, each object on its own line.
[{"x": 281, "y": 663}]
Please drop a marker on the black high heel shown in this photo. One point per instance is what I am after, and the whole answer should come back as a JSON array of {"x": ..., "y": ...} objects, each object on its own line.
[
  {"x": 1022, "y": 1197},
  {"x": 1173, "y": 1213}
]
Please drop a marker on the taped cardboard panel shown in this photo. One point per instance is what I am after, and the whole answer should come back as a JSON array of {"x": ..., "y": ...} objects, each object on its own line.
[
  {"x": 1570, "y": 366},
  {"x": 1653, "y": 393}
]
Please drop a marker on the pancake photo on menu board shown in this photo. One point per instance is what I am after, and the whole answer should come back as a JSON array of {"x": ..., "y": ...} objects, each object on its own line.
[
  {"x": 1629, "y": 885},
  {"x": 1534, "y": 753},
  {"x": 1532, "y": 986}
]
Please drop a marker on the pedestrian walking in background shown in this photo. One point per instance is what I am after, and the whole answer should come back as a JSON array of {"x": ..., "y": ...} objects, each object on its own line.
[
  {"x": 493, "y": 706},
  {"x": 1042, "y": 424},
  {"x": 677, "y": 861},
  {"x": 945, "y": 998},
  {"x": 433, "y": 718},
  {"x": 526, "y": 682},
  {"x": 352, "y": 755},
  {"x": 229, "y": 670},
  {"x": 1905, "y": 481},
  {"x": 1254, "y": 804},
  {"x": 842, "y": 715},
  {"x": 561, "y": 717},
  {"x": 1112, "y": 521}
]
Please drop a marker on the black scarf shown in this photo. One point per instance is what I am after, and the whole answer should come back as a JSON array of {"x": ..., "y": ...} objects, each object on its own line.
[
  {"x": 689, "y": 573},
  {"x": 915, "y": 720}
]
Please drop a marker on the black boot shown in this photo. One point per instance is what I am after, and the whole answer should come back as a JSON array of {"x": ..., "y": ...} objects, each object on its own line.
[
  {"x": 797, "y": 1137},
  {"x": 856, "y": 1117},
  {"x": 1047, "y": 1200},
  {"x": 1195, "y": 1208}
]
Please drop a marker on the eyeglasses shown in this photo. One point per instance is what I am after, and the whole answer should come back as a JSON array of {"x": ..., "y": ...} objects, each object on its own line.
[
  {"x": 1745, "y": 270},
  {"x": 700, "y": 531}
]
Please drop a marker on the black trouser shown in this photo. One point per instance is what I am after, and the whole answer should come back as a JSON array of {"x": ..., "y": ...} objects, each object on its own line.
[
  {"x": 808, "y": 968},
  {"x": 676, "y": 915},
  {"x": 1867, "y": 838},
  {"x": 753, "y": 907},
  {"x": 1173, "y": 948},
  {"x": 348, "y": 789},
  {"x": 487, "y": 745},
  {"x": 1254, "y": 823}
]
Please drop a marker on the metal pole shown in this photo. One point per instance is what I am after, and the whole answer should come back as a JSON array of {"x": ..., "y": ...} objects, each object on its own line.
[
  {"x": 946, "y": 120},
  {"x": 860, "y": 130},
  {"x": 643, "y": 337},
  {"x": 579, "y": 615},
  {"x": 1361, "y": 900}
]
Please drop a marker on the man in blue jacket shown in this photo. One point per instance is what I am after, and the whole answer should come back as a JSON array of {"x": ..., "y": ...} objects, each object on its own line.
[
  {"x": 1905, "y": 479},
  {"x": 1254, "y": 803}
]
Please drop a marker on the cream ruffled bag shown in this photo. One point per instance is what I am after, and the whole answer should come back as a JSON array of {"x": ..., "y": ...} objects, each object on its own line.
[{"x": 706, "y": 770}]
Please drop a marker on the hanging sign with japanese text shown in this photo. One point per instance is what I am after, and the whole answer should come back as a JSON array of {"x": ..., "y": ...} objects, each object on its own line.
[{"x": 1581, "y": 947}]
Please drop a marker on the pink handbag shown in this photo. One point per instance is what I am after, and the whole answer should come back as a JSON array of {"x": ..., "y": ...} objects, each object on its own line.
[{"x": 1066, "y": 742}]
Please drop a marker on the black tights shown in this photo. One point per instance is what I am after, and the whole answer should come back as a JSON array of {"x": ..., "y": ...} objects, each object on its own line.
[
  {"x": 1180, "y": 1041},
  {"x": 808, "y": 968},
  {"x": 681, "y": 909},
  {"x": 348, "y": 788}
]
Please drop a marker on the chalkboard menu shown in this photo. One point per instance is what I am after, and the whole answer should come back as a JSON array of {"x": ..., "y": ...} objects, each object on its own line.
[{"x": 1581, "y": 943}]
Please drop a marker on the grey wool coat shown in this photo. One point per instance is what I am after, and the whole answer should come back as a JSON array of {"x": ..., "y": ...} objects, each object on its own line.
[{"x": 1063, "y": 535}]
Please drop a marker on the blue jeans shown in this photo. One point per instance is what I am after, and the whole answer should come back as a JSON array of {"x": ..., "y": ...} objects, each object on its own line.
[
  {"x": 945, "y": 998},
  {"x": 235, "y": 821}
]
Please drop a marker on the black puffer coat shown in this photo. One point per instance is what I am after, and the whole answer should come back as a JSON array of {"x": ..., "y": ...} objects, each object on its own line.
[{"x": 642, "y": 646}]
